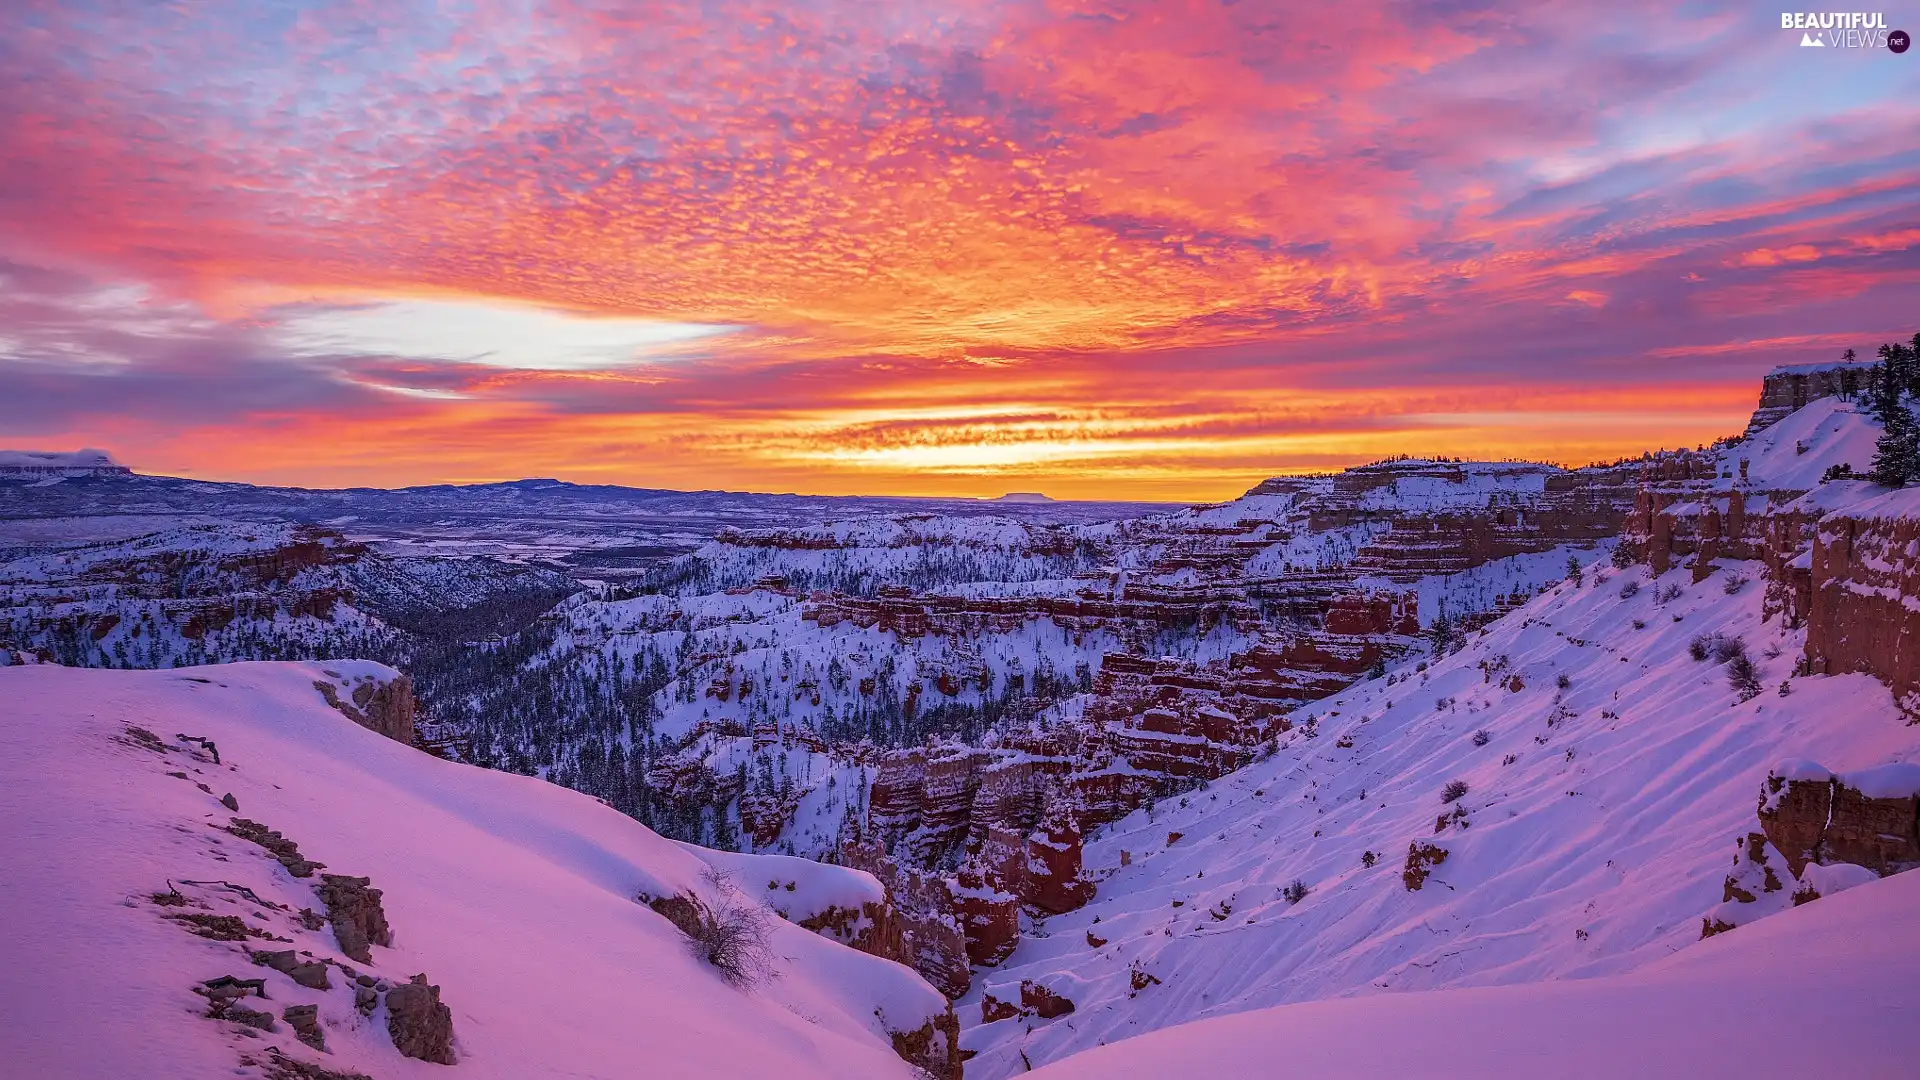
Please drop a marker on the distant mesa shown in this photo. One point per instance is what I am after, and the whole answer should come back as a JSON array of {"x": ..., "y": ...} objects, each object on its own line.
[
  {"x": 57, "y": 463},
  {"x": 1023, "y": 497}
]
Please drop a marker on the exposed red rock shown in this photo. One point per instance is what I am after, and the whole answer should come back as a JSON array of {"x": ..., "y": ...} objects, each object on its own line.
[
  {"x": 1826, "y": 821},
  {"x": 1042, "y": 1002},
  {"x": 1783, "y": 391},
  {"x": 1862, "y": 614}
]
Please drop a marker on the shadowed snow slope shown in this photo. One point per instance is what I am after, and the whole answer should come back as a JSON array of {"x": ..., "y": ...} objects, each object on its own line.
[
  {"x": 1822, "y": 990},
  {"x": 1601, "y": 812},
  {"x": 514, "y": 896}
]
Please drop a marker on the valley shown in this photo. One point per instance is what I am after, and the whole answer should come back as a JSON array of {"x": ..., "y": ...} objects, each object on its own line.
[{"x": 1097, "y": 770}]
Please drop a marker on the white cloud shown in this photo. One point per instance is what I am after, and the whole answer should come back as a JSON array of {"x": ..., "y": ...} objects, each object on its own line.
[{"x": 498, "y": 334}]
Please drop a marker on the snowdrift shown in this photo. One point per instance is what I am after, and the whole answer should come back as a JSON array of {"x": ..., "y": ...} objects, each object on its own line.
[
  {"x": 516, "y": 898},
  {"x": 1822, "y": 990}
]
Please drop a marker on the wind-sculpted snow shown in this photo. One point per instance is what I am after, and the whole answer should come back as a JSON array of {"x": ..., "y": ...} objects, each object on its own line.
[
  {"x": 1823, "y": 990},
  {"x": 1593, "y": 833}
]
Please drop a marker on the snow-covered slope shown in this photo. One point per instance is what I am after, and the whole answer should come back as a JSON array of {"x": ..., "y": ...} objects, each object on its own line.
[
  {"x": 1599, "y": 818},
  {"x": 1822, "y": 990},
  {"x": 1793, "y": 454},
  {"x": 515, "y": 897}
]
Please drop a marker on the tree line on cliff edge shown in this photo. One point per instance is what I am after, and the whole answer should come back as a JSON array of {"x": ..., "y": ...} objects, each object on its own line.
[{"x": 1896, "y": 459}]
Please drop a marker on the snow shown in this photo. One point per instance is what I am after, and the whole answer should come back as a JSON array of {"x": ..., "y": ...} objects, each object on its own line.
[
  {"x": 1898, "y": 780},
  {"x": 797, "y": 888},
  {"x": 1595, "y": 851},
  {"x": 1825, "y": 989},
  {"x": 1832, "y": 431},
  {"x": 55, "y": 459},
  {"x": 516, "y": 897},
  {"x": 1862, "y": 366},
  {"x": 1839, "y": 877},
  {"x": 1899, "y": 503},
  {"x": 1802, "y": 769}
]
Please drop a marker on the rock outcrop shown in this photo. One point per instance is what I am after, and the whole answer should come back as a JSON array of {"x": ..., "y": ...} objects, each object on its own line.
[
  {"x": 1864, "y": 596},
  {"x": 933, "y": 1046},
  {"x": 1870, "y": 818},
  {"x": 1785, "y": 389},
  {"x": 1820, "y": 832},
  {"x": 1042, "y": 1002},
  {"x": 421, "y": 1027},
  {"x": 385, "y": 707},
  {"x": 354, "y": 910}
]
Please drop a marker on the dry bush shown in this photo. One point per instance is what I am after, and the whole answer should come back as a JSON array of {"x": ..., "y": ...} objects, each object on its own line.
[
  {"x": 730, "y": 931},
  {"x": 1743, "y": 677}
]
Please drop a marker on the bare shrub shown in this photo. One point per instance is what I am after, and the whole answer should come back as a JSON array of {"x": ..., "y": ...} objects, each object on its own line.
[
  {"x": 1630, "y": 590},
  {"x": 730, "y": 931},
  {"x": 1728, "y": 649},
  {"x": 1716, "y": 645},
  {"x": 1744, "y": 677},
  {"x": 1482, "y": 737},
  {"x": 1296, "y": 892},
  {"x": 1734, "y": 583},
  {"x": 1665, "y": 593},
  {"x": 1454, "y": 791}
]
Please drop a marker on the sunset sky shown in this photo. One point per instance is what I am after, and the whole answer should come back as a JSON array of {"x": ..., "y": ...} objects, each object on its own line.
[{"x": 1096, "y": 249}]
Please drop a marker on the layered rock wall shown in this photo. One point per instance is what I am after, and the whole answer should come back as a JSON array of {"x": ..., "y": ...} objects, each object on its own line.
[
  {"x": 1786, "y": 389},
  {"x": 1863, "y": 612}
]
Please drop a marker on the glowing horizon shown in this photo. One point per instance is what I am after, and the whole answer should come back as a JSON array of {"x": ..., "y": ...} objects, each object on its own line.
[{"x": 1094, "y": 249}]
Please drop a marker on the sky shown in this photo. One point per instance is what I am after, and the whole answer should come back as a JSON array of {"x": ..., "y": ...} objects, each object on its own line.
[{"x": 1092, "y": 248}]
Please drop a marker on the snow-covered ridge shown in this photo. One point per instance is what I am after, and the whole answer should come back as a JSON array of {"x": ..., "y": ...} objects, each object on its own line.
[
  {"x": 28, "y": 461},
  {"x": 56, "y": 466},
  {"x": 516, "y": 898}
]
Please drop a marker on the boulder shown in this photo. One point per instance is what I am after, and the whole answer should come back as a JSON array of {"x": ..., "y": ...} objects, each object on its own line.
[
  {"x": 993, "y": 1009},
  {"x": 305, "y": 1022},
  {"x": 1043, "y": 1002}
]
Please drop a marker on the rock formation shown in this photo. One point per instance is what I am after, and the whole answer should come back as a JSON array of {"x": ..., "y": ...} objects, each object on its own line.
[
  {"x": 1870, "y": 818},
  {"x": 385, "y": 707},
  {"x": 421, "y": 1027},
  {"x": 1820, "y": 832},
  {"x": 354, "y": 910},
  {"x": 1785, "y": 389},
  {"x": 1862, "y": 586}
]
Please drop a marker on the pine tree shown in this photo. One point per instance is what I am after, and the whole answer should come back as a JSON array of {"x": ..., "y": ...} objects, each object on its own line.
[{"x": 1896, "y": 458}]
